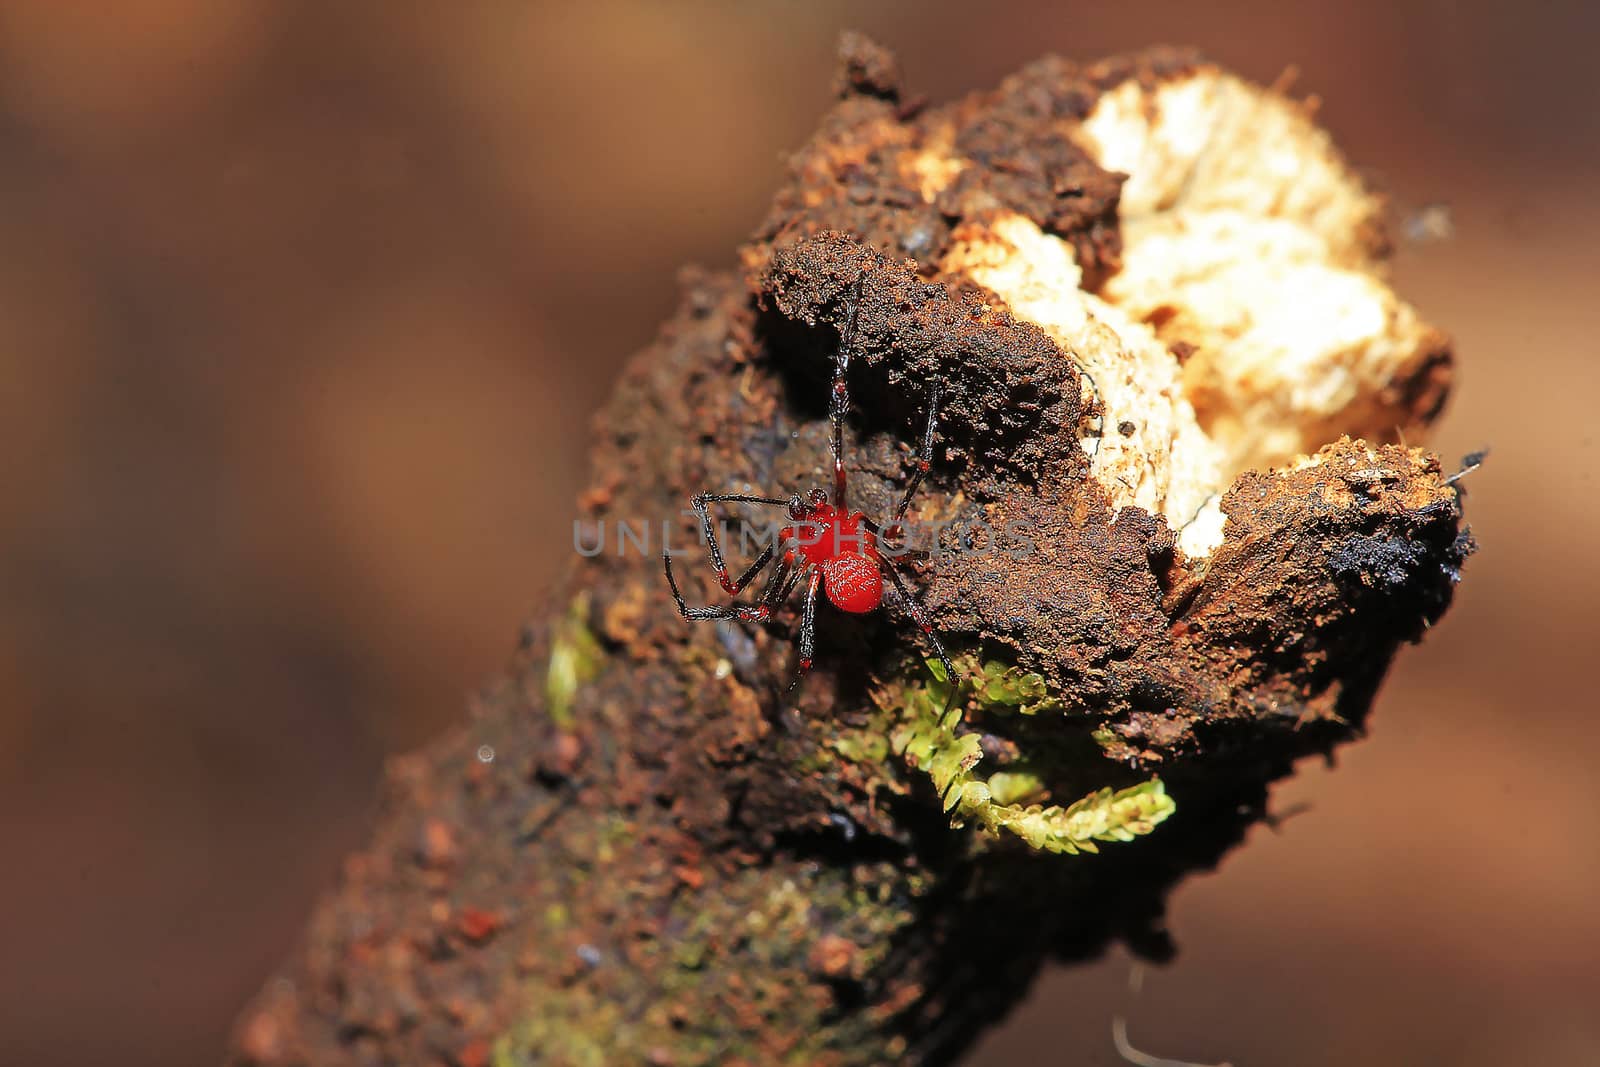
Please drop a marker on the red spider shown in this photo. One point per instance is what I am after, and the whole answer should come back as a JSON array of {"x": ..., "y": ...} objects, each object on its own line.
[{"x": 829, "y": 546}]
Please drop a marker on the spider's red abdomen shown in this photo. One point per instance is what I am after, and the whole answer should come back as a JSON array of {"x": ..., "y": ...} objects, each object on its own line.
[
  {"x": 840, "y": 543},
  {"x": 853, "y": 582}
]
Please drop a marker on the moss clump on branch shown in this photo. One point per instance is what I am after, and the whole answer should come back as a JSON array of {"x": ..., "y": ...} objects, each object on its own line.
[
  {"x": 575, "y": 658},
  {"x": 928, "y": 740},
  {"x": 735, "y": 958}
]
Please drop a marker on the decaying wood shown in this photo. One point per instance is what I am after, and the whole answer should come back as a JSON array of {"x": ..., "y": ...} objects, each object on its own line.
[{"x": 1154, "y": 295}]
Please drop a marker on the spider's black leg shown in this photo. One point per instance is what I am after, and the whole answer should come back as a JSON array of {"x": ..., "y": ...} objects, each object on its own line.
[
  {"x": 780, "y": 583},
  {"x": 788, "y": 586},
  {"x": 751, "y": 571},
  {"x": 924, "y": 459},
  {"x": 700, "y": 503},
  {"x": 759, "y": 613},
  {"x": 914, "y": 607},
  {"x": 889, "y": 541},
  {"x": 808, "y": 628},
  {"x": 839, "y": 402}
]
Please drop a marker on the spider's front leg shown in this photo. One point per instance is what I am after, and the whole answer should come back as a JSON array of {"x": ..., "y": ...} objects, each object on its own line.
[
  {"x": 839, "y": 397},
  {"x": 758, "y": 613},
  {"x": 924, "y": 462},
  {"x": 701, "y": 503},
  {"x": 779, "y": 584}
]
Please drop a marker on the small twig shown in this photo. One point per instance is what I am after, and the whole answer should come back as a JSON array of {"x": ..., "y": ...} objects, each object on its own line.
[
  {"x": 1119, "y": 1032},
  {"x": 1119, "y": 1037}
]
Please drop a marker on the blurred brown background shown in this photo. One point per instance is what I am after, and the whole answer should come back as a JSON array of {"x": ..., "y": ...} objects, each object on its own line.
[{"x": 304, "y": 308}]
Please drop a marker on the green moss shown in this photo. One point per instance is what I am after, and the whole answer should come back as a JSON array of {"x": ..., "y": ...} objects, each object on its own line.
[
  {"x": 999, "y": 687},
  {"x": 932, "y": 745},
  {"x": 575, "y": 1029},
  {"x": 714, "y": 981},
  {"x": 1013, "y": 787},
  {"x": 813, "y": 762},
  {"x": 862, "y": 746},
  {"x": 575, "y": 658}
]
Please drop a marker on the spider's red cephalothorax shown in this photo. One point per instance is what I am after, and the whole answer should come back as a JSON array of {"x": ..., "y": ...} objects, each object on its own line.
[
  {"x": 843, "y": 545},
  {"x": 825, "y": 544}
]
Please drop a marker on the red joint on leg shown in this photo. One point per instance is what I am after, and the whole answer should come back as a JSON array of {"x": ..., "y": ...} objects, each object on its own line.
[{"x": 805, "y": 665}]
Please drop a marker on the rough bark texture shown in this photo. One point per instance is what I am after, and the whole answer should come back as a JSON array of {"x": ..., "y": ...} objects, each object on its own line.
[{"x": 666, "y": 861}]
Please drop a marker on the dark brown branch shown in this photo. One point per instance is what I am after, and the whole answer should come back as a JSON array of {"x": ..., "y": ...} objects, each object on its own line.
[{"x": 666, "y": 863}]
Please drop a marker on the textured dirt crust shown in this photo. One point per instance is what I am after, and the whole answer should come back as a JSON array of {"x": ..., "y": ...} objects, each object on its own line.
[{"x": 666, "y": 861}]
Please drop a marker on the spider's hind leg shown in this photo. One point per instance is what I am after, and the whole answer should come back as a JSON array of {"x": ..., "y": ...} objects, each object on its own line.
[
  {"x": 808, "y": 629},
  {"x": 924, "y": 621}
]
